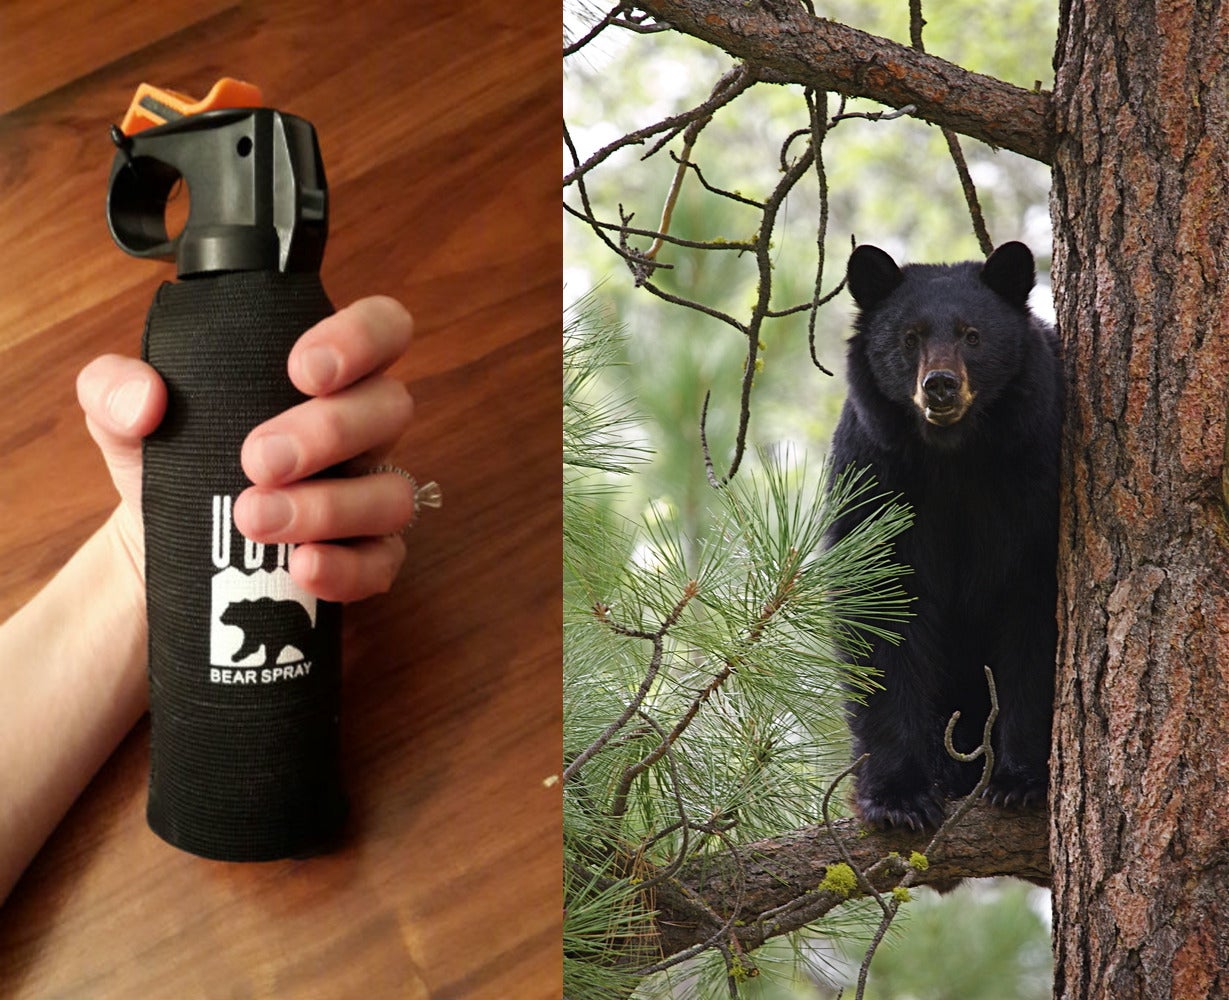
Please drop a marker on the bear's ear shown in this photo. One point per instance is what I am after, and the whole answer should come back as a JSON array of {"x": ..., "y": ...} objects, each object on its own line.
[
  {"x": 872, "y": 275},
  {"x": 1009, "y": 272}
]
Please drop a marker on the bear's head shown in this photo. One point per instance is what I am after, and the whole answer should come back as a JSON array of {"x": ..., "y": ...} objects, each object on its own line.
[
  {"x": 943, "y": 341},
  {"x": 238, "y": 613}
]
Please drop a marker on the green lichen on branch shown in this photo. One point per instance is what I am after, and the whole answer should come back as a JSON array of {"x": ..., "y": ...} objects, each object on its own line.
[{"x": 839, "y": 879}]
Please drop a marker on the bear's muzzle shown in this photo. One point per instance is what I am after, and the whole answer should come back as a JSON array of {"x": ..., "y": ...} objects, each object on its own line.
[{"x": 942, "y": 395}]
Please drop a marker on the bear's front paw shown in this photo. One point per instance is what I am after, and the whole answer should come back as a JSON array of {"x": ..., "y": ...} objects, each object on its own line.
[
  {"x": 917, "y": 811},
  {"x": 1014, "y": 790}
]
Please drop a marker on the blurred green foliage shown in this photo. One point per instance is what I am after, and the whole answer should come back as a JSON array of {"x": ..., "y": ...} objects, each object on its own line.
[{"x": 981, "y": 942}]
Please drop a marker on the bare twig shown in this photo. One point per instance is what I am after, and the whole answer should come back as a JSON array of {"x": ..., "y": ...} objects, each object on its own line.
[
  {"x": 763, "y": 259},
  {"x": 864, "y": 883},
  {"x": 640, "y": 267},
  {"x": 624, "y": 16},
  {"x": 730, "y": 195},
  {"x": 709, "y": 470},
  {"x": 678, "y": 300},
  {"x": 593, "y": 32},
  {"x": 984, "y": 750},
  {"x": 803, "y": 307},
  {"x": 740, "y": 78},
  {"x": 644, "y": 263},
  {"x": 970, "y": 193},
  {"x": 584, "y": 199},
  {"x": 690, "y": 134},
  {"x": 659, "y": 236},
  {"x": 729, "y": 79},
  {"x": 645, "y": 28},
  {"x": 817, "y": 105},
  {"x": 916, "y": 23},
  {"x": 875, "y": 116}
]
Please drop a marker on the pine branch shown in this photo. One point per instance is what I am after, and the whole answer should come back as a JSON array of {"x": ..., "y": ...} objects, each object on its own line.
[
  {"x": 778, "y": 880},
  {"x": 786, "y": 44}
]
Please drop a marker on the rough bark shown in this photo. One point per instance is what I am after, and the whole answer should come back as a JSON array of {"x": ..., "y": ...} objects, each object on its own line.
[
  {"x": 788, "y": 45},
  {"x": 1140, "y": 825},
  {"x": 772, "y": 873}
]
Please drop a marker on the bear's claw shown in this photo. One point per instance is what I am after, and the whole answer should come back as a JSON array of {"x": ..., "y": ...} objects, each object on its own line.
[
  {"x": 917, "y": 812},
  {"x": 1016, "y": 792}
]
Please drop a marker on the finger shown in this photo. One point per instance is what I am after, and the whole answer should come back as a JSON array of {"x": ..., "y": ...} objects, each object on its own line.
[
  {"x": 364, "y": 338},
  {"x": 323, "y": 509},
  {"x": 122, "y": 397},
  {"x": 324, "y": 432},
  {"x": 123, "y": 400},
  {"x": 348, "y": 572}
]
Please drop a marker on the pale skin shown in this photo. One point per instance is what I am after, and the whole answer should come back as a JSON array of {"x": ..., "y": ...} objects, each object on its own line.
[{"x": 71, "y": 694}]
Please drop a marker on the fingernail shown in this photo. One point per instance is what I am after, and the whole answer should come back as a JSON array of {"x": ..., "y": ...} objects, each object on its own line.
[
  {"x": 278, "y": 456},
  {"x": 319, "y": 364},
  {"x": 266, "y": 513},
  {"x": 127, "y": 401}
]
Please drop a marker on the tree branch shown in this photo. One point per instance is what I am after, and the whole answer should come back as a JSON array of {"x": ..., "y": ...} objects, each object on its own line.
[
  {"x": 728, "y": 88},
  {"x": 794, "y": 47},
  {"x": 772, "y": 874}
]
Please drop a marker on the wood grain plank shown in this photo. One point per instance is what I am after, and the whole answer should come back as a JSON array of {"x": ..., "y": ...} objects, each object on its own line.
[
  {"x": 43, "y": 46},
  {"x": 439, "y": 126}
]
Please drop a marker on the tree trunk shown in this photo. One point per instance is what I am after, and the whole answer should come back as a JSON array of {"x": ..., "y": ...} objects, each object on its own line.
[{"x": 1140, "y": 797}]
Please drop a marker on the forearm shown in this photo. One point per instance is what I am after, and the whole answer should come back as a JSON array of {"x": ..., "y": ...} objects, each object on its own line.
[{"x": 72, "y": 669}]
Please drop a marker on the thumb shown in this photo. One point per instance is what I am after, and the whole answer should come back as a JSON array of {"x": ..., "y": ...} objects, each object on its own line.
[{"x": 123, "y": 399}]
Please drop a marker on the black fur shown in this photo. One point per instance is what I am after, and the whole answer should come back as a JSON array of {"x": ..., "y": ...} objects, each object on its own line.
[{"x": 982, "y": 548}]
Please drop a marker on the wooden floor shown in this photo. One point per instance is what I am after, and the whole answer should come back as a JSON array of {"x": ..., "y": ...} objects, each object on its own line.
[{"x": 439, "y": 124}]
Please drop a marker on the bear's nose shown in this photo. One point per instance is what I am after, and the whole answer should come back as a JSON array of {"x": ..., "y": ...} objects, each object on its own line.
[{"x": 941, "y": 388}]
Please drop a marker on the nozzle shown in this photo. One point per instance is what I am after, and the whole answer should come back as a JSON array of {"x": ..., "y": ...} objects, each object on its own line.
[
  {"x": 154, "y": 106},
  {"x": 258, "y": 199}
]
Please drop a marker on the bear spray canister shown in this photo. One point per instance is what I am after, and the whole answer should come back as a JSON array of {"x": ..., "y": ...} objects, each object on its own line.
[{"x": 244, "y": 666}]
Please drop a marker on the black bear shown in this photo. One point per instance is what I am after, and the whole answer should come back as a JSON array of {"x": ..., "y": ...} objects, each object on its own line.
[
  {"x": 269, "y": 623},
  {"x": 955, "y": 405}
]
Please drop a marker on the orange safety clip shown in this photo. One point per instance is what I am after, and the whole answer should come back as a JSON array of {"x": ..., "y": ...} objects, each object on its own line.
[{"x": 154, "y": 106}]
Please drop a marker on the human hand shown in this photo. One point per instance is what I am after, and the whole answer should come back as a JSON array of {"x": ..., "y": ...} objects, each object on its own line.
[
  {"x": 124, "y": 399},
  {"x": 357, "y": 411}
]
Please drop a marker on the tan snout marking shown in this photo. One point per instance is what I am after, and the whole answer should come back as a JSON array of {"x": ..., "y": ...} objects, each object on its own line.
[{"x": 964, "y": 397}]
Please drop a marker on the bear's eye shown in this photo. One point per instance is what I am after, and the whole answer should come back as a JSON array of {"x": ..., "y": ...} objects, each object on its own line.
[
  {"x": 972, "y": 337},
  {"x": 912, "y": 340}
]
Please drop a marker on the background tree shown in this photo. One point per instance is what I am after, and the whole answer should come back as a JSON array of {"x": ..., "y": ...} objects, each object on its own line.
[
  {"x": 1140, "y": 830},
  {"x": 1136, "y": 132}
]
